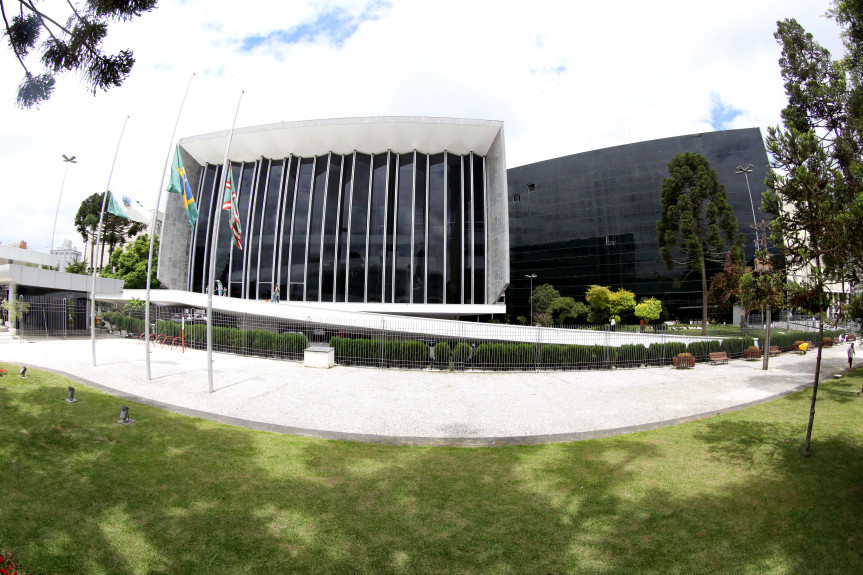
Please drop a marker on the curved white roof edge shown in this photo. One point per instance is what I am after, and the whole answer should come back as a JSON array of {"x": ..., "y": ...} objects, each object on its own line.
[{"x": 375, "y": 134}]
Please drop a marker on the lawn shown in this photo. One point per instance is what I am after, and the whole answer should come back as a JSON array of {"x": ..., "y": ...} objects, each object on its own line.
[{"x": 174, "y": 494}]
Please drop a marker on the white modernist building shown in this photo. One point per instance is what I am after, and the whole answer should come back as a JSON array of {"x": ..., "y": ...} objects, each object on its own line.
[{"x": 388, "y": 214}]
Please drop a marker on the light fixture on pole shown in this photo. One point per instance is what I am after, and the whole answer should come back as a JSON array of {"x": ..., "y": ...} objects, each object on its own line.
[
  {"x": 746, "y": 171},
  {"x": 68, "y": 161},
  {"x": 761, "y": 267},
  {"x": 531, "y": 277}
]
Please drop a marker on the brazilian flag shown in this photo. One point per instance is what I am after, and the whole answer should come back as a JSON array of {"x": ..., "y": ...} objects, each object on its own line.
[{"x": 180, "y": 185}]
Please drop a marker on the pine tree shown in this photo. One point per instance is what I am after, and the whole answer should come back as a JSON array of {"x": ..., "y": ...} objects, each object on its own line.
[
  {"x": 74, "y": 43},
  {"x": 695, "y": 217}
]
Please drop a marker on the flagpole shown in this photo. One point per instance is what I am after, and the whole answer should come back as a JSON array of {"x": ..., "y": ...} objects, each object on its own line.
[
  {"x": 214, "y": 249},
  {"x": 98, "y": 234},
  {"x": 153, "y": 233}
]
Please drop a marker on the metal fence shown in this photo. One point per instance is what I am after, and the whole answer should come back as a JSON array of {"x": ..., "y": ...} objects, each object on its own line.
[
  {"x": 399, "y": 342},
  {"x": 50, "y": 317},
  {"x": 422, "y": 344}
]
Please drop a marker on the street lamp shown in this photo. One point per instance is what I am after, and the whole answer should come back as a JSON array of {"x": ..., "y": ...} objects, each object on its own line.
[
  {"x": 760, "y": 244},
  {"x": 68, "y": 161},
  {"x": 746, "y": 171},
  {"x": 531, "y": 278}
]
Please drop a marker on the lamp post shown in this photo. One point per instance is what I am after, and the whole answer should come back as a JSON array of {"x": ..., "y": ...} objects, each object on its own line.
[
  {"x": 531, "y": 277},
  {"x": 68, "y": 161},
  {"x": 746, "y": 171},
  {"x": 760, "y": 245}
]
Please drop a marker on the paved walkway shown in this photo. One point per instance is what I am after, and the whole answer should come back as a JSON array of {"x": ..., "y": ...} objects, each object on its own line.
[{"x": 422, "y": 407}]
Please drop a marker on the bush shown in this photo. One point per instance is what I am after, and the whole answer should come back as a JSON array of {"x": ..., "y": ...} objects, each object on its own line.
[
  {"x": 701, "y": 350},
  {"x": 629, "y": 355},
  {"x": 734, "y": 346},
  {"x": 442, "y": 354},
  {"x": 461, "y": 353}
]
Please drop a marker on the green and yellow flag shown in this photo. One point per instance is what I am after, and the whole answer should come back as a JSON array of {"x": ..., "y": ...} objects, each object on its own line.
[{"x": 180, "y": 185}]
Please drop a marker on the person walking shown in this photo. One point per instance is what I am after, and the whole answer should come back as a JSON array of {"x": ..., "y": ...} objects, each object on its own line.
[{"x": 850, "y": 356}]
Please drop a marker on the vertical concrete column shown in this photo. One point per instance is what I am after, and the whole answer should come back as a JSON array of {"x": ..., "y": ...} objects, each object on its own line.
[{"x": 13, "y": 310}]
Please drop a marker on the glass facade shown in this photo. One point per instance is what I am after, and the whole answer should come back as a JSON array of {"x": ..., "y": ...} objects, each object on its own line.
[
  {"x": 385, "y": 227},
  {"x": 591, "y": 218}
]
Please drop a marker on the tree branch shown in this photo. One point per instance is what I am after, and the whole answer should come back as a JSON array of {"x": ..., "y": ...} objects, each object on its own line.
[{"x": 14, "y": 48}]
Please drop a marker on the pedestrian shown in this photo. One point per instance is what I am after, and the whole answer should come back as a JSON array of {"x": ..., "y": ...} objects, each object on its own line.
[
  {"x": 276, "y": 293},
  {"x": 612, "y": 324},
  {"x": 850, "y": 356}
]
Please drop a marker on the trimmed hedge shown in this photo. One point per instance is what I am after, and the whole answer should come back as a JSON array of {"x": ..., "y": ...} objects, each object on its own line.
[
  {"x": 785, "y": 341},
  {"x": 700, "y": 350},
  {"x": 377, "y": 353},
  {"x": 442, "y": 354},
  {"x": 119, "y": 321},
  {"x": 461, "y": 355},
  {"x": 233, "y": 340}
]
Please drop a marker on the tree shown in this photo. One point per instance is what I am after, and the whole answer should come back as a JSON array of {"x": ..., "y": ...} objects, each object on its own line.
[
  {"x": 77, "y": 268},
  {"x": 605, "y": 304},
  {"x": 565, "y": 310},
  {"x": 650, "y": 309},
  {"x": 814, "y": 187},
  {"x": 130, "y": 264},
  {"x": 542, "y": 297},
  {"x": 854, "y": 311},
  {"x": 75, "y": 45},
  {"x": 758, "y": 291},
  {"x": 115, "y": 229},
  {"x": 134, "y": 306},
  {"x": 695, "y": 216}
]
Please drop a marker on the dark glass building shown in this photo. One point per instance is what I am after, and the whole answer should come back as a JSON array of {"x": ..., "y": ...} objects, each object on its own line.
[
  {"x": 591, "y": 218},
  {"x": 402, "y": 215}
]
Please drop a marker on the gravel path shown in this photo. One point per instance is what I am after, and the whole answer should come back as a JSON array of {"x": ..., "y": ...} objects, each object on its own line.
[{"x": 422, "y": 407}]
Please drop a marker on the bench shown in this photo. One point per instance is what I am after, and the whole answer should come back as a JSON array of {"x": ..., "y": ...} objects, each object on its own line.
[
  {"x": 718, "y": 357},
  {"x": 774, "y": 350},
  {"x": 851, "y": 337}
]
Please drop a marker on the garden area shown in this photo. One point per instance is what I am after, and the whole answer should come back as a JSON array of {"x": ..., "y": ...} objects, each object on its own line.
[{"x": 170, "y": 493}]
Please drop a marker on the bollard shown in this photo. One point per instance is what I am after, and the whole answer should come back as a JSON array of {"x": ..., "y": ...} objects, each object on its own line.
[{"x": 70, "y": 398}]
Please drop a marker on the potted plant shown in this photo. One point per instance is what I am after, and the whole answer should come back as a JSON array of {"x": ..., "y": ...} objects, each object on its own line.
[
  {"x": 827, "y": 342},
  {"x": 683, "y": 361},
  {"x": 752, "y": 353}
]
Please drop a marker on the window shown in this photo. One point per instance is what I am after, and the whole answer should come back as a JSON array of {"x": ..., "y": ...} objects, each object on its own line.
[
  {"x": 531, "y": 188},
  {"x": 516, "y": 198}
]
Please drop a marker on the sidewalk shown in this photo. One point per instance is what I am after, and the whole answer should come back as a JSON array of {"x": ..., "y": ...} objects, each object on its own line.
[{"x": 422, "y": 407}]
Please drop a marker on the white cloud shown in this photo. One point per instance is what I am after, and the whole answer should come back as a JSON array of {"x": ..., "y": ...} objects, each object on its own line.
[{"x": 564, "y": 76}]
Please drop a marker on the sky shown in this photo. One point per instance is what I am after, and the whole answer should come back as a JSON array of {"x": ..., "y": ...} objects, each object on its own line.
[{"x": 564, "y": 76}]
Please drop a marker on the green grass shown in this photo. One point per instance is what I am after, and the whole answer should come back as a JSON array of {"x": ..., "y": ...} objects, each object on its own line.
[{"x": 729, "y": 494}]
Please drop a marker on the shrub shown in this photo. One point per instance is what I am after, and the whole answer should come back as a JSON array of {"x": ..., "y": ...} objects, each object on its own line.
[
  {"x": 702, "y": 349},
  {"x": 461, "y": 353},
  {"x": 734, "y": 346},
  {"x": 629, "y": 355},
  {"x": 442, "y": 353}
]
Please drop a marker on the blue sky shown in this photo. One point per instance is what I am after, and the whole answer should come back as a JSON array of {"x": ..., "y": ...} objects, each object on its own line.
[
  {"x": 333, "y": 24},
  {"x": 563, "y": 76}
]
